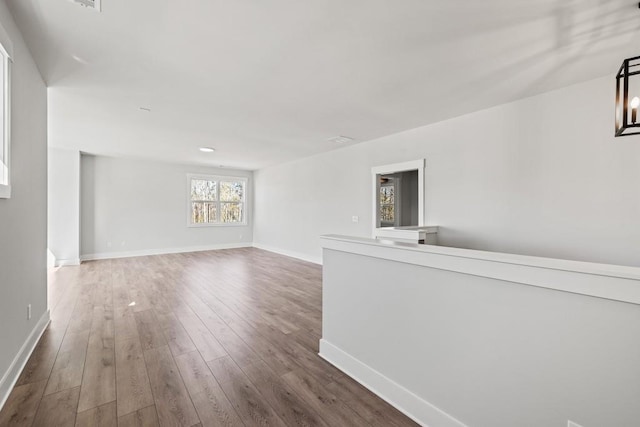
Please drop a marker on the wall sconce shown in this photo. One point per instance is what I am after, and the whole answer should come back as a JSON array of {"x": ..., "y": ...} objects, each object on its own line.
[{"x": 628, "y": 98}]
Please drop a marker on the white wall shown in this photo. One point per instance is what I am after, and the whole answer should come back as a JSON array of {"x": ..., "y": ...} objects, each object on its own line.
[
  {"x": 542, "y": 176},
  {"x": 23, "y": 217},
  {"x": 132, "y": 207},
  {"x": 488, "y": 352},
  {"x": 64, "y": 206}
]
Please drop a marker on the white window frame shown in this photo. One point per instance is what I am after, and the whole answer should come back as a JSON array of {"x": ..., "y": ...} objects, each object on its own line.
[
  {"x": 217, "y": 179},
  {"x": 418, "y": 165},
  {"x": 5, "y": 144}
]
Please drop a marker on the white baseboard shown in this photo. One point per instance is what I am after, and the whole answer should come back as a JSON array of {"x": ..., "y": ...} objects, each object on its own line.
[
  {"x": 147, "y": 252},
  {"x": 292, "y": 254},
  {"x": 10, "y": 377},
  {"x": 64, "y": 262},
  {"x": 416, "y": 408}
]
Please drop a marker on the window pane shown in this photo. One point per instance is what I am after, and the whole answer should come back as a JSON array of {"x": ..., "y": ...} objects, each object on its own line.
[
  {"x": 202, "y": 212},
  {"x": 212, "y": 212},
  {"x": 386, "y": 195},
  {"x": 231, "y": 212},
  {"x": 197, "y": 213},
  {"x": 232, "y": 191},
  {"x": 387, "y": 213},
  {"x": 202, "y": 189}
]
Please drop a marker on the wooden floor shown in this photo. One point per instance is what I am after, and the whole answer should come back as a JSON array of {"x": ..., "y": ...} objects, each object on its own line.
[{"x": 208, "y": 338}]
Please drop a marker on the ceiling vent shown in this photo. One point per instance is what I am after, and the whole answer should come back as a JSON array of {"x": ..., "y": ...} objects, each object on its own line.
[
  {"x": 340, "y": 139},
  {"x": 90, "y": 4}
]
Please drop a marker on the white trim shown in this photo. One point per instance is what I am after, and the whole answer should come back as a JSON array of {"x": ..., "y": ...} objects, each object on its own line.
[
  {"x": 291, "y": 254},
  {"x": 607, "y": 281},
  {"x": 5, "y": 42},
  {"x": 5, "y": 145},
  {"x": 10, "y": 377},
  {"x": 5, "y": 191},
  {"x": 409, "y": 234},
  {"x": 416, "y": 408},
  {"x": 418, "y": 165},
  {"x": 148, "y": 252},
  {"x": 398, "y": 167},
  {"x": 65, "y": 262},
  {"x": 217, "y": 224},
  {"x": 51, "y": 259}
]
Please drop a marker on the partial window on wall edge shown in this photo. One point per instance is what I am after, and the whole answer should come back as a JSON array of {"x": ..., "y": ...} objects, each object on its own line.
[{"x": 5, "y": 117}]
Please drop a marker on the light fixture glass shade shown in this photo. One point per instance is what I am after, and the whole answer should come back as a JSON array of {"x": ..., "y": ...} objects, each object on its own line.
[{"x": 627, "y": 93}]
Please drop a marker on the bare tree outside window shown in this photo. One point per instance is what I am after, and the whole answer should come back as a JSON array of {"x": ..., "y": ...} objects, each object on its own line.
[
  {"x": 217, "y": 200},
  {"x": 387, "y": 203}
]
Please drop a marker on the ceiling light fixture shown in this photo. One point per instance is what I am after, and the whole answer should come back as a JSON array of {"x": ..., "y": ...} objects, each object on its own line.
[
  {"x": 340, "y": 139},
  {"x": 628, "y": 97},
  {"x": 207, "y": 149}
]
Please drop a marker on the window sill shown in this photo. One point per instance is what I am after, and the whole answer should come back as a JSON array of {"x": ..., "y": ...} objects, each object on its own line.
[
  {"x": 234, "y": 224},
  {"x": 5, "y": 191}
]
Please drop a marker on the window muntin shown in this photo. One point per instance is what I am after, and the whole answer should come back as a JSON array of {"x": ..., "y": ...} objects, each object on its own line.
[{"x": 216, "y": 200}]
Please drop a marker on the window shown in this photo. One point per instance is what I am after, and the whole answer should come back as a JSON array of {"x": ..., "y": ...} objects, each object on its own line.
[
  {"x": 216, "y": 200},
  {"x": 387, "y": 203},
  {"x": 5, "y": 188}
]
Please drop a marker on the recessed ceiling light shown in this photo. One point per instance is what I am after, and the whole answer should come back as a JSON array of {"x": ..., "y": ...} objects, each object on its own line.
[
  {"x": 207, "y": 149},
  {"x": 340, "y": 139}
]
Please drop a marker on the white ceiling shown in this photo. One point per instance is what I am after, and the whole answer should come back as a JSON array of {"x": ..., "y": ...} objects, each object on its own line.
[{"x": 270, "y": 81}]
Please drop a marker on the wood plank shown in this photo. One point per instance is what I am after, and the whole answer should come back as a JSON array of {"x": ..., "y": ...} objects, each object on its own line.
[
  {"x": 230, "y": 341},
  {"x": 81, "y": 318},
  {"x": 125, "y": 324},
  {"x": 177, "y": 337},
  {"x": 146, "y": 417},
  {"x": 370, "y": 407},
  {"x": 171, "y": 398},
  {"x": 101, "y": 416},
  {"x": 334, "y": 411},
  {"x": 58, "y": 409},
  {"x": 245, "y": 398},
  {"x": 195, "y": 373},
  {"x": 291, "y": 408},
  {"x": 42, "y": 359},
  {"x": 138, "y": 297},
  {"x": 308, "y": 340},
  {"x": 69, "y": 366},
  {"x": 211, "y": 403},
  {"x": 214, "y": 409},
  {"x": 20, "y": 408},
  {"x": 206, "y": 344},
  {"x": 149, "y": 330},
  {"x": 99, "y": 378},
  {"x": 132, "y": 381},
  {"x": 309, "y": 362},
  {"x": 224, "y": 369}
]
